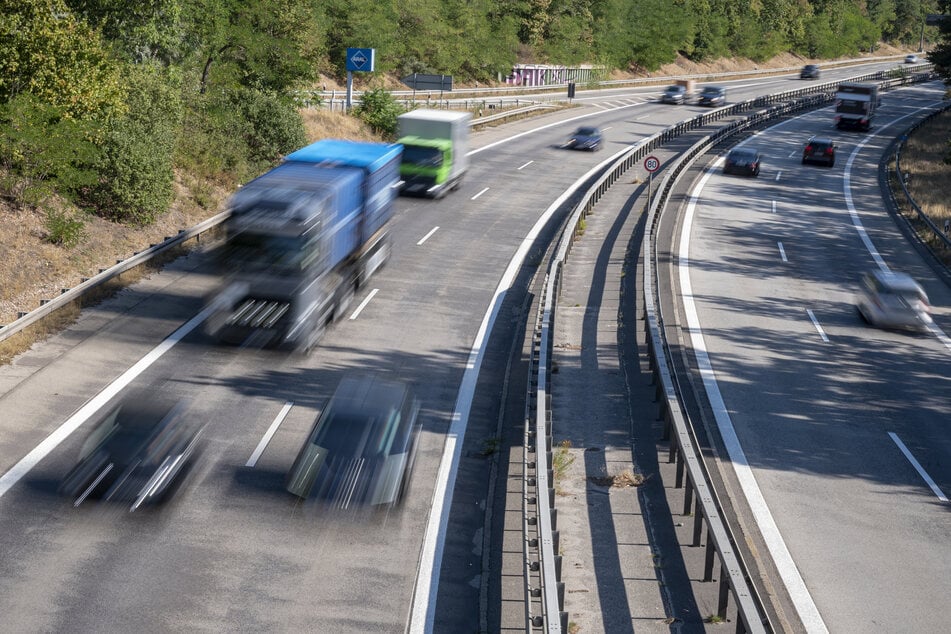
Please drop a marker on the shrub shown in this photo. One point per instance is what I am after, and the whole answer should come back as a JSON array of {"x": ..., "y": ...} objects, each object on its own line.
[
  {"x": 271, "y": 125},
  {"x": 63, "y": 228},
  {"x": 135, "y": 170},
  {"x": 379, "y": 110},
  {"x": 43, "y": 151}
]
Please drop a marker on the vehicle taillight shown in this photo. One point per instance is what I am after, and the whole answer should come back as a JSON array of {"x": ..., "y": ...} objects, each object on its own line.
[
  {"x": 828, "y": 150},
  {"x": 808, "y": 149}
]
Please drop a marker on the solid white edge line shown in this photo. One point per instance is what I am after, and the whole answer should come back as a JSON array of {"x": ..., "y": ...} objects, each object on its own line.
[
  {"x": 815, "y": 322},
  {"x": 799, "y": 594},
  {"x": 364, "y": 303},
  {"x": 253, "y": 460},
  {"x": 484, "y": 190},
  {"x": 857, "y": 222},
  {"x": 917, "y": 465},
  {"x": 422, "y": 612},
  {"x": 94, "y": 404},
  {"x": 427, "y": 236}
]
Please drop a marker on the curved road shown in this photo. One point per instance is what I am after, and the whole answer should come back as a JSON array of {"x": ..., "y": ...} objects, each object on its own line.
[
  {"x": 233, "y": 551},
  {"x": 820, "y": 414}
]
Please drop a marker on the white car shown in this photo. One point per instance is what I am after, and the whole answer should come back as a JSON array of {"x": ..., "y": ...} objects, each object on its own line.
[
  {"x": 912, "y": 59},
  {"x": 889, "y": 299}
]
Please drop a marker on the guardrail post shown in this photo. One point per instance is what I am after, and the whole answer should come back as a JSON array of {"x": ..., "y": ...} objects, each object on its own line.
[
  {"x": 708, "y": 561},
  {"x": 697, "y": 522},
  {"x": 724, "y": 592},
  {"x": 688, "y": 497}
]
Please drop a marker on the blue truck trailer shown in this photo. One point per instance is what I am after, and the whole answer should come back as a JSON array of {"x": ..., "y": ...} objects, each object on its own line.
[{"x": 302, "y": 239}]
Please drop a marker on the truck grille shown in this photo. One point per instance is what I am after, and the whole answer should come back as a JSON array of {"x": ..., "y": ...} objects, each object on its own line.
[{"x": 258, "y": 313}]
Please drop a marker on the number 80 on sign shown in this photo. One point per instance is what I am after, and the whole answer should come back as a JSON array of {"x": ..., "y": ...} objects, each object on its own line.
[{"x": 651, "y": 164}]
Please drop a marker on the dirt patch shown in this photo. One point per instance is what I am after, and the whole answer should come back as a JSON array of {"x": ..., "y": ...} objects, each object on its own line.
[{"x": 623, "y": 480}]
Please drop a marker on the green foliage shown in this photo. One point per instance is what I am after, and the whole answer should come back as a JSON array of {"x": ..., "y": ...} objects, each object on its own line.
[
  {"x": 63, "y": 228},
  {"x": 135, "y": 168},
  {"x": 42, "y": 150},
  {"x": 269, "y": 125},
  {"x": 47, "y": 52},
  {"x": 379, "y": 110},
  {"x": 940, "y": 55}
]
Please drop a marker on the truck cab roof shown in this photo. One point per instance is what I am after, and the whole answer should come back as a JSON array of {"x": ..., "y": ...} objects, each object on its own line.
[{"x": 369, "y": 156}]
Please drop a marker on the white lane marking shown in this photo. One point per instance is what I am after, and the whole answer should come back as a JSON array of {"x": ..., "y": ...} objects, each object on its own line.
[
  {"x": 774, "y": 206},
  {"x": 526, "y": 165},
  {"x": 793, "y": 153},
  {"x": 815, "y": 322},
  {"x": 253, "y": 460},
  {"x": 480, "y": 193},
  {"x": 94, "y": 404},
  {"x": 917, "y": 465},
  {"x": 427, "y": 236},
  {"x": 423, "y": 613},
  {"x": 857, "y": 222},
  {"x": 364, "y": 303},
  {"x": 642, "y": 117},
  {"x": 550, "y": 125},
  {"x": 798, "y": 593},
  {"x": 782, "y": 251},
  {"x": 778, "y": 174}
]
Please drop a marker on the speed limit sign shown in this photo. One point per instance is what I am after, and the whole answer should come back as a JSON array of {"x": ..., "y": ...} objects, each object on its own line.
[{"x": 651, "y": 164}]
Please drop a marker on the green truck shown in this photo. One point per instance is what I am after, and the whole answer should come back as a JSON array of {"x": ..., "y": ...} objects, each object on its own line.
[{"x": 435, "y": 151}]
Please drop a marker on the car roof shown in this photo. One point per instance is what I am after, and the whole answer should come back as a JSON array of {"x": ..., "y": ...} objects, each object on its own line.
[
  {"x": 898, "y": 282},
  {"x": 587, "y": 130},
  {"x": 712, "y": 88},
  {"x": 744, "y": 150},
  {"x": 821, "y": 140}
]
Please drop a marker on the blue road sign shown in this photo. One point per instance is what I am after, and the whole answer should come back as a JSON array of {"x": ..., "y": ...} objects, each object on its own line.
[{"x": 360, "y": 60}]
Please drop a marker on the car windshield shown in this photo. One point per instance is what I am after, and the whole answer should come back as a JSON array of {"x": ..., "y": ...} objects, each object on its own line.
[
  {"x": 743, "y": 155},
  {"x": 675, "y": 89},
  {"x": 586, "y": 132},
  {"x": 711, "y": 92}
]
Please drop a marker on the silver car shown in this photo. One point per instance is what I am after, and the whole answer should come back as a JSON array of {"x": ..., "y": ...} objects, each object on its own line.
[
  {"x": 362, "y": 447},
  {"x": 889, "y": 299}
]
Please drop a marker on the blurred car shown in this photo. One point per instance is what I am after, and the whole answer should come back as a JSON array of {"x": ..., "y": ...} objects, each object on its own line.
[
  {"x": 742, "y": 160},
  {"x": 712, "y": 96},
  {"x": 362, "y": 447},
  {"x": 809, "y": 71},
  {"x": 137, "y": 454},
  {"x": 819, "y": 150},
  {"x": 912, "y": 59},
  {"x": 889, "y": 299},
  {"x": 585, "y": 138},
  {"x": 675, "y": 94}
]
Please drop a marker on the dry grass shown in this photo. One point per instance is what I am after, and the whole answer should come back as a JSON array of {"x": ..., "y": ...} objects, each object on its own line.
[{"x": 925, "y": 159}]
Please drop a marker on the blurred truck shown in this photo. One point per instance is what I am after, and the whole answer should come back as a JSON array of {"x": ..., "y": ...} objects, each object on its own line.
[
  {"x": 301, "y": 239},
  {"x": 435, "y": 148},
  {"x": 854, "y": 105}
]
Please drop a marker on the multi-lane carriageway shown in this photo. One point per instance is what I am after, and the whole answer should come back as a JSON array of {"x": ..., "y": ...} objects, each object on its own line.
[{"x": 814, "y": 418}]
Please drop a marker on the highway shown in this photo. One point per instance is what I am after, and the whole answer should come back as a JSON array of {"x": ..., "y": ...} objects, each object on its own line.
[
  {"x": 234, "y": 551},
  {"x": 835, "y": 431}
]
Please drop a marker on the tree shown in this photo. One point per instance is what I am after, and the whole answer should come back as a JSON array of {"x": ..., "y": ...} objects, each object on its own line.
[{"x": 49, "y": 53}]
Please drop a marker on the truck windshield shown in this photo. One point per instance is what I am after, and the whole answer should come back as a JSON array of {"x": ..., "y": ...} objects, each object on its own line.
[
  {"x": 852, "y": 106},
  {"x": 255, "y": 252},
  {"x": 422, "y": 156}
]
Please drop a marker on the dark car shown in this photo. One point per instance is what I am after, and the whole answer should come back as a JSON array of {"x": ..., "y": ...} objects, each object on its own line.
[
  {"x": 675, "y": 94},
  {"x": 362, "y": 447},
  {"x": 742, "y": 161},
  {"x": 712, "y": 96},
  {"x": 809, "y": 71},
  {"x": 137, "y": 454},
  {"x": 819, "y": 150},
  {"x": 585, "y": 138}
]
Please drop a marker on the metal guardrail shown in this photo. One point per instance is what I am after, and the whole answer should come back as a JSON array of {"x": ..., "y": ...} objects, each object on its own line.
[
  {"x": 942, "y": 234},
  {"x": 88, "y": 287},
  {"x": 543, "y": 564},
  {"x": 332, "y": 98}
]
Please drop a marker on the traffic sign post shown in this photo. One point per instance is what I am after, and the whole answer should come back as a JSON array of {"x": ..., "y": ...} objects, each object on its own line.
[
  {"x": 361, "y": 60},
  {"x": 651, "y": 164}
]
